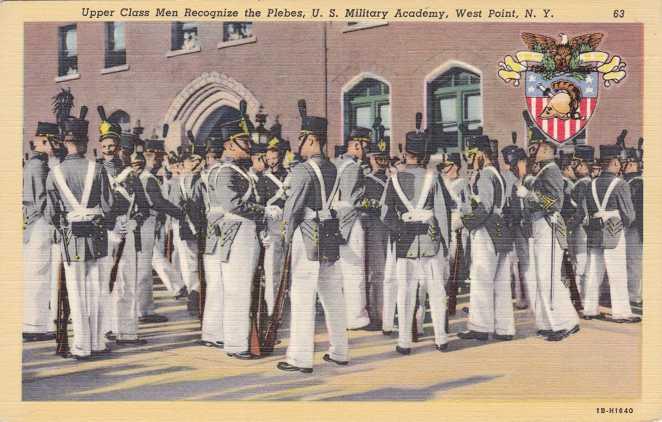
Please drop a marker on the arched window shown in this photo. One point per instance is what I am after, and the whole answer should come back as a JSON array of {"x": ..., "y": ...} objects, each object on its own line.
[
  {"x": 122, "y": 118},
  {"x": 365, "y": 101},
  {"x": 455, "y": 106}
]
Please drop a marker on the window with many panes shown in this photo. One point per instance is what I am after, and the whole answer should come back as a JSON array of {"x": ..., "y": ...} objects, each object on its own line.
[
  {"x": 185, "y": 36},
  {"x": 235, "y": 31},
  {"x": 367, "y": 100},
  {"x": 115, "y": 46},
  {"x": 455, "y": 106},
  {"x": 67, "y": 51}
]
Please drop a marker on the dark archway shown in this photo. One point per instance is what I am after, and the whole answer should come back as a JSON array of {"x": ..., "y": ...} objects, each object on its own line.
[{"x": 211, "y": 125}]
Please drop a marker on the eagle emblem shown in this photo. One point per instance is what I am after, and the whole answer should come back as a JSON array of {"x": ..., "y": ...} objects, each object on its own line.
[{"x": 562, "y": 78}]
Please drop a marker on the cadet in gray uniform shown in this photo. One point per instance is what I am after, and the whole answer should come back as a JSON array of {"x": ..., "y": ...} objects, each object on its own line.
[
  {"x": 490, "y": 303},
  {"x": 172, "y": 279},
  {"x": 376, "y": 233},
  {"x": 79, "y": 199},
  {"x": 577, "y": 238},
  {"x": 37, "y": 320},
  {"x": 235, "y": 212},
  {"x": 609, "y": 210},
  {"x": 312, "y": 231},
  {"x": 271, "y": 189},
  {"x": 150, "y": 230},
  {"x": 347, "y": 203},
  {"x": 212, "y": 319},
  {"x": 634, "y": 235},
  {"x": 416, "y": 212},
  {"x": 132, "y": 209},
  {"x": 515, "y": 158},
  {"x": 556, "y": 318}
]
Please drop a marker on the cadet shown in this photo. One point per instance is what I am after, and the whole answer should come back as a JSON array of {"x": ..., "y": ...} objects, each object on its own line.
[
  {"x": 109, "y": 137},
  {"x": 132, "y": 209},
  {"x": 490, "y": 303},
  {"x": 634, "y": 234},
  {"x": 312, "y": 231},
  {"x": 376, "y": 233},
  {"x": 212, "y": 319},
  {"x": 234, "y": 210},
  {"x": 271, "y": 189},
  {"x": 582, "y": 160},
  {"x": 79, "y": 198},
  {"x": 609, "y": 210},
  {"x": 347, "y": 202},
  {"x": 37, "y": 320},
  {"x": 154, "y": 152},
  {"x": 145, "y": 166},
  {"x": 556, "y": 318},
  {"x": 417, "y": 214},
  {"x": 515, "y": 158},
  {"x": 187, "y": 230}
]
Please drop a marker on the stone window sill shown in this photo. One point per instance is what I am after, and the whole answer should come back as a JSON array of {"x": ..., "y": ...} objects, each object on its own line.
[
  {"x": 67, "y": 77},
  {"x": 363, "y": 25},
  {"x": 233, "y": 43},
  {"x": 175, "y": 53},
  {"x": 115, "y": 69}
]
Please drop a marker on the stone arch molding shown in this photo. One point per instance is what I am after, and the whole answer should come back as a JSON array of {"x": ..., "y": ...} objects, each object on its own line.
[{"x": 199, "y": 99}]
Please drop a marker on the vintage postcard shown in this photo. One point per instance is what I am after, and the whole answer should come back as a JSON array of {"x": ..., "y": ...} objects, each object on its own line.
[{"x": 407, "y": 210}]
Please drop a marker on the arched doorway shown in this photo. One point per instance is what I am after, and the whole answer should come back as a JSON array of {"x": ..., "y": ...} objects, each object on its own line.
[{"x": 203, "y": 105}]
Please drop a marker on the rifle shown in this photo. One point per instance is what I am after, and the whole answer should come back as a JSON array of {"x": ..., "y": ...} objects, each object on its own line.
[
  {"x": 276, "y": 318},
  {"x": 201, "y": 276},
  {"x": 63, "y": 311},
  {"x": 569, "y": 271},
  {"x": 255, "y": 338},
  {"x": 414, "y": 323},
  {"x": 454, "y": 274}
]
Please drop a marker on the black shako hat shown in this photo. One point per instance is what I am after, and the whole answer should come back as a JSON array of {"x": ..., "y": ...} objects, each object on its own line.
[
  {"x": 47, "y": 129},
  {"x": 607, "y": 152},
  {"x": 312, "y": 124},
  {"x": 584, "y": 153}
]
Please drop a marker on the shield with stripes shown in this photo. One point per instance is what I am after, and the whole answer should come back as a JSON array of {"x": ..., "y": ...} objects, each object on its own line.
[{"x": 561, "y": 106}]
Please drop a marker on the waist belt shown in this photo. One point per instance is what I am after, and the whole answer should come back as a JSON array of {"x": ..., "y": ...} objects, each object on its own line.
[{"x": 81, "y": 214}]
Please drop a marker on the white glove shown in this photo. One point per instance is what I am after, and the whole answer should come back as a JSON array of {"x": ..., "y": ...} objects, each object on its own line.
[
  {"x": 273, "y": 212},
  {"x": 123, "y": 175},
  {"x": 522, "y": 192},
  {"x": 418, "y": 216},
  {"x": 120, "y": 228},
  {"x": 131, "y": 225},
  {"x": 266, "y": 239},
  {"x": 456, "y": 221},
  {"x": 475, "y": 198}
]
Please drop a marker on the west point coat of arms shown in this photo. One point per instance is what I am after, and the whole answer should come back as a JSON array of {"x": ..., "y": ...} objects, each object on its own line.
[{"x": 562, "y": 80}]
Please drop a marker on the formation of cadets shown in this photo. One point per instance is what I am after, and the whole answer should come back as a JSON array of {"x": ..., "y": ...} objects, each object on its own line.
[{"x": 238, "y": 223}]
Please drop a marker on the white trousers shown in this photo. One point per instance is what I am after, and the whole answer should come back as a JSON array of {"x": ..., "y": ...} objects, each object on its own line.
[
  {"x": 548, "y": 297},
  {"x": 125, "y": 293},
  {"x": 612, "y": 261},
  {"x": 144, "y": 268},
  {"x": 238, "y": 275},
  {"x": 490, "y": 302},
  {"x": 390, "y": 288},
  {"x": 310, "y": 279},
  {"x": 37, "y": 279},
  {"x": 84, "y": 291},
  {"x": 274, "y": 254},
  {"x": 579, "y": 242},
  {"x": 212, "y": 319},
  {"x": 352, "y": 266},
  {"x": 56, "y": 261},
  {"x": 187, "y": 252},
  {"x": 431, "y": 274},
  {"x": 166, "y": 270},
  {"x": 634, "y": 252}
]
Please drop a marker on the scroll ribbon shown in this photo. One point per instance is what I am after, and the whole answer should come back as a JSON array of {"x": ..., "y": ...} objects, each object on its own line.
[{"x": 611, "y": 69}]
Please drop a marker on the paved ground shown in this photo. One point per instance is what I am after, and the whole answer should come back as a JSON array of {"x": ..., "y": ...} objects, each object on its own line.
[{"x": 172, "y": 367}]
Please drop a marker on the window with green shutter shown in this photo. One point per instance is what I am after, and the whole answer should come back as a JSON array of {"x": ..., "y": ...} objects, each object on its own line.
[
  {"x": 454, "y": 99},
  {"x": 367, "y": 100}
]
